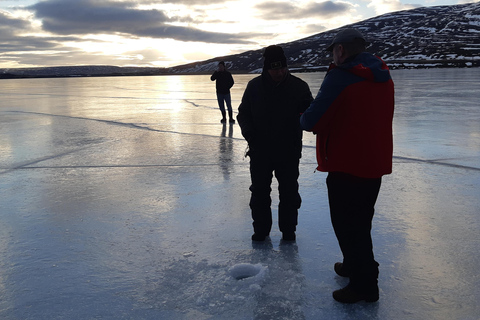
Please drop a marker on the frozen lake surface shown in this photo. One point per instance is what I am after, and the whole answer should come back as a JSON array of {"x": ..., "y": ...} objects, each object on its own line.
[{"x": 125, "y": 198}]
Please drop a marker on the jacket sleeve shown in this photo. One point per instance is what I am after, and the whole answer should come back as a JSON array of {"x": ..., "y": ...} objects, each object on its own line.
[
  {"x": 214, "y": 76},
  {"x": 330, "y": 89},
  {"x": 245, "y": 116},
  {"x": 306, "y": 98}
]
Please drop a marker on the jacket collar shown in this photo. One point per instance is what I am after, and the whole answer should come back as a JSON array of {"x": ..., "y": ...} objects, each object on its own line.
[{"x": 267, "y": 79}]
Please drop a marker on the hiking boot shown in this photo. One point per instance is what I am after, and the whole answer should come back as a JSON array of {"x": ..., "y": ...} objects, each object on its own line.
[
  {"x": 259, "y": 237},
  {"x": 231, "y": 121},
  {"x": 338, "y": 267},
  {"x": 223, "y": 120},
  {"x": 348, "y": 295},
  {"x": 289, "y": 236}
]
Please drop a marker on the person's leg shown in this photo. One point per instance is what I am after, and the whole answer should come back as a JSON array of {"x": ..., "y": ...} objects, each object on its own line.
[
  {"x": 228, "y": 101},
  {"x": 221, "y": 106},
  {"x": 352, "y": 202},
  {"x": 364, "y": 276},
  {"x": 286, "y": 172},
  {"x": 260, "y": 200}
]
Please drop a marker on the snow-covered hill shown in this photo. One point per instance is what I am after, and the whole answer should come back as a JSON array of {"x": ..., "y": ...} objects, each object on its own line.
[{"x": 442, "y": 36}]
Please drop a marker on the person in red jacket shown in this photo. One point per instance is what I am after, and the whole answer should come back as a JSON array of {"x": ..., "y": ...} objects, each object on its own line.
[{"x": 352, "y": 117}]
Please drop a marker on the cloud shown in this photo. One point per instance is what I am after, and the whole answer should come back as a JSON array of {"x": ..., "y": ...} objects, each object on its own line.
[
  {"x": 177, "y": 2},
  {"x": 10, "y": 25},
  {"x": 197, "y": 56},
  {"x": 313, "y": 28},
  {"x": 91, "y": 16},
  {"x": 63, "y": 58},
  {"x": 141, "y": 57},
  {"x": 327, "y": 9},
  {"x": 192, "y": 34},
  {"x": 18, "y": 47},
  {"x": 155, "y": 32},
  {"x": 11, "y": 30},
  {"x": 275, "y": 10},
  {"x": 385, "y": 6},
  {"x": 82, "y": 17},
  {"x": 186, "y": 2}
]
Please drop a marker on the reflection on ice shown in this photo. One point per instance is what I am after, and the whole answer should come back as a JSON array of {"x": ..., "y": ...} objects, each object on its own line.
[{"x": 127, "y": 199}]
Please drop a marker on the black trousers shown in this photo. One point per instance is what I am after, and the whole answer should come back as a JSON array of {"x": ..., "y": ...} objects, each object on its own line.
[
  {"x": 285, "y": 167},
  {"x": 352, "y": 200}
]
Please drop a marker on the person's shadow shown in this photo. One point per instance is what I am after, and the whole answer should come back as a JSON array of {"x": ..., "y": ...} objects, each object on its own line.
[{"x": 226, "y": 150}]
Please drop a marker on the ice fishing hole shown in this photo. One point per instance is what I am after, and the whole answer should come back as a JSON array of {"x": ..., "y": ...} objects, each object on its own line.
[{"x": 246, "y": 270}]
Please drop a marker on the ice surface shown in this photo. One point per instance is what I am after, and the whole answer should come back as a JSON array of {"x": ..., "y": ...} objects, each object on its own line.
[{"x": 125, "y": 198}]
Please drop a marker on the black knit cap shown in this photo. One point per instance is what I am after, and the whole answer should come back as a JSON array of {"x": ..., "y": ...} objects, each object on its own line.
[{"x": 274, "y": 58}]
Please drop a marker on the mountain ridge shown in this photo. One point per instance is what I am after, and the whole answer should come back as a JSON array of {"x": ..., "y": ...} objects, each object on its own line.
[{"x": 403, "y": 39}]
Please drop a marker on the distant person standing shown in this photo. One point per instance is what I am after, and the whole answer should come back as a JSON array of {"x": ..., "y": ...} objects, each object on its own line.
[
  {"x": 269, "y": 117},
  {"x": 224, "y": 81},
  {"x": 352, "y": 118}
]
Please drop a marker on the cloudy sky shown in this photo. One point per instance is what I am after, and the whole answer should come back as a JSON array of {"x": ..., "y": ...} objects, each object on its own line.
[{"x": 155, "y": 33}]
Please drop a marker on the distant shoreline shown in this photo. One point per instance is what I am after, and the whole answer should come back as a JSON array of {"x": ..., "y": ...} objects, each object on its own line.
[{"x": 39, "y": 73}]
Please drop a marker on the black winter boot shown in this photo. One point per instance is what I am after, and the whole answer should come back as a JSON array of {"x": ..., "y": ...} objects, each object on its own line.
[
  {"x": 340, "y": 270},
  {"x": 259, "y": 237},
  {"x": 289, "y": 236},
  {"x": 349, "y": 295}
]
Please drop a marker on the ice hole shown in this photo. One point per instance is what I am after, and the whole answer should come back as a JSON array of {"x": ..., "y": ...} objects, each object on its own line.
[{"x": 246, "y": 270}]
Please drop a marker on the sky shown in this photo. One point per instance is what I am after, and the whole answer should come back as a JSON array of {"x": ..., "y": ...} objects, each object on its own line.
[{"x": 167, "y": 33}]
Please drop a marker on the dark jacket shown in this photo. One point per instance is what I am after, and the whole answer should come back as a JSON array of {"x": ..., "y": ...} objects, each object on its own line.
[
  {"x": 269, "y": 114},
  {"x": 352, "y": 117},
  {"x": 224, "y": 81}
]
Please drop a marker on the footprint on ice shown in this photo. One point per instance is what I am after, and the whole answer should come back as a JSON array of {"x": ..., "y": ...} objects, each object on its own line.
[{"x": 243, "y": 271}]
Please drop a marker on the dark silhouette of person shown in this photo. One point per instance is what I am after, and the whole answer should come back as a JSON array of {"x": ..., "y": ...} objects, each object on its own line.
[
  {"x": 269, "y": 116},
  {"x": 224, "y": 81}
]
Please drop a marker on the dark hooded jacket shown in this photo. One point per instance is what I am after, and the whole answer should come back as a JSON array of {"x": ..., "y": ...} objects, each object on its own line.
[
  {"x": 352, "y": 118},
  {"x": 224, "y": 81},
  {"x": 269, "y": 114}
]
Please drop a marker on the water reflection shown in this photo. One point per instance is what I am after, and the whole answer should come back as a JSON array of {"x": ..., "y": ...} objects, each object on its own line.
[
  {"x": 226, "y": 150},
  {"x": 171, "y": 89}
]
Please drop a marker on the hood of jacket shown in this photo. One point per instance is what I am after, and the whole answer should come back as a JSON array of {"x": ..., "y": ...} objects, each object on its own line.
[{"x": 366, "y": 66}]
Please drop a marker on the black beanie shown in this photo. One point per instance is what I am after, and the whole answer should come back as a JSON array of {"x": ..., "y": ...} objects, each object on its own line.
[{"x": 274, "y": 58}]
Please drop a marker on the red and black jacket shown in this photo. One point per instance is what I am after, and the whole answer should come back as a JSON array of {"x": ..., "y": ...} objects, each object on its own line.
[{"x": 352, "y": 117}]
